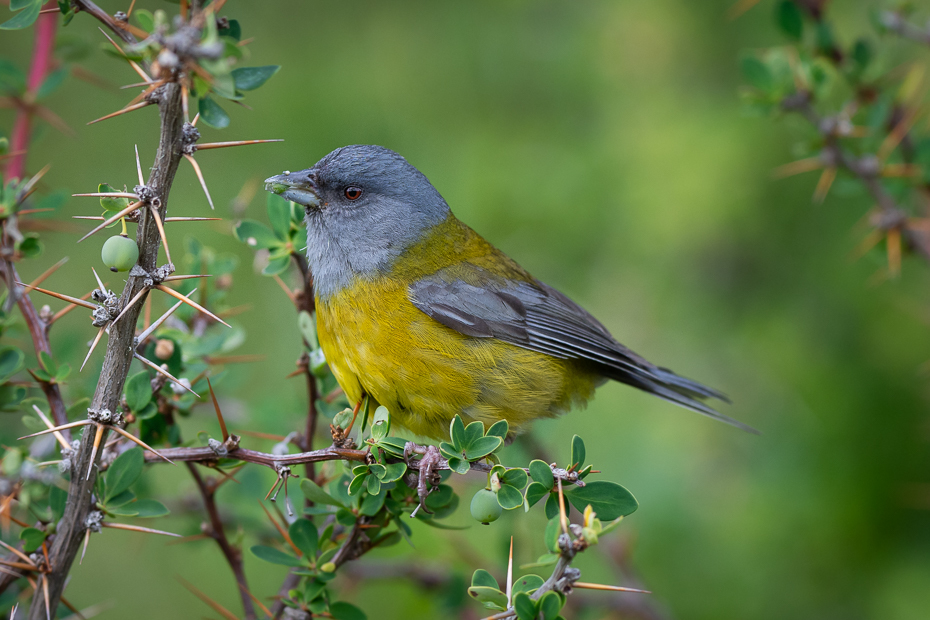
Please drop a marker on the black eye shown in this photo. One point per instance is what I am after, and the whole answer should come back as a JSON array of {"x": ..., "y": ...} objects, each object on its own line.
[{"x": 353, "y": 193}]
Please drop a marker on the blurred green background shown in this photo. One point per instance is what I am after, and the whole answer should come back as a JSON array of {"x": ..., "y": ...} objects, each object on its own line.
[{"x": 600, "y": 144}]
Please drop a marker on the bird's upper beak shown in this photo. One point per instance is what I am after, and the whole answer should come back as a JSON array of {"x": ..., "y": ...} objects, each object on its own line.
[{"x": 299, "y": 187}]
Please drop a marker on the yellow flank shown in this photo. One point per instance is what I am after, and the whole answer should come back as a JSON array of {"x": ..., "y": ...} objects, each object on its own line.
[{"x": 377, "y": 342}]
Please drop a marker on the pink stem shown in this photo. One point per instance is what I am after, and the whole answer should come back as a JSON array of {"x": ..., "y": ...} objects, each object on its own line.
[{"x": 41, "y": 57}]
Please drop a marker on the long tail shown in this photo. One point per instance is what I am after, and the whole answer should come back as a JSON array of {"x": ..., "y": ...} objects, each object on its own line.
[{"x": 676, "y": 389}]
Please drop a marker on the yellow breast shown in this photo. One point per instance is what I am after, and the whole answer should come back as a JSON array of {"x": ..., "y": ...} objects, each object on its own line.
[{"x": 378, "y": 343}]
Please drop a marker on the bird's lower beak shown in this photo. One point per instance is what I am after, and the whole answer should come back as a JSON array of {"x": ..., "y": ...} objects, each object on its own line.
[{"x": 299, "y": 187}]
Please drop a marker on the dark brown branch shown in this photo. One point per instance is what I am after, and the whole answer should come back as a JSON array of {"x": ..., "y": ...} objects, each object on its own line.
[
  {"x": 38, "y": 330},
  {"x": 110, "y": 22},
  {"x": 217, "y": 532},
  {"x": 119, "y": 352}
]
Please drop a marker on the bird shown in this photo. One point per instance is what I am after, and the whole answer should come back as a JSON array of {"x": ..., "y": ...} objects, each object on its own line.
[{"x": 418, "y": 312}]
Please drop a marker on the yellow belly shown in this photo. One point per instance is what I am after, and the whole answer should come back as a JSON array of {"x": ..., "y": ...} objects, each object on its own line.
[{"x": 378, "y": 343}]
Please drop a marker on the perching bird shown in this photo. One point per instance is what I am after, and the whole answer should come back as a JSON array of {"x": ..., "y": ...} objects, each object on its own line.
[{"x": 420, "y": 313}]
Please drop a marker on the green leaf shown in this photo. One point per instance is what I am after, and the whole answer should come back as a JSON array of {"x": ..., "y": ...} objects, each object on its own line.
[
  {"x": 756, "y": 73},
  {"x": 277, "y": 265},
  {"x": 47, "y": 363},
  {"x": 304, "y": 535},
  {"x": 121, "y": 500},
  {"x": 233, "y": 29},
  {"x": 373, "y": 485},
  {"x": 357, "y": 482},
  {"x": 279, "y": 215},
  {"x": 32, "y": 539},
  {"x": 524, "y": 606},
  {"x": 250, "y": 78},
  {"x": 491, "y": 598},
  {"x": 393, "y": 471},
  {"x": 578, "y": 452},
  {"x": 317, "y": 495},
  {"x": 457, "y": 433},
  {"x": 11, "y": 361},
  {"x": 535, "y": 492},
  {"x": 270, "y": 554},
  {"x": 527, "y": 583},
  {"x": 482, "y": 577},
  {"x": 541, "y": 472},
  {"x": 608, "y": 499},
  {"x": 145, "y": 19},
  {"x": 473, "y": 432},
  {"x": 124, "y": 471},
  {"x": 549, "y": 605},
  {"x": 307, "y": 326},
  {"x": 381, "y": 423},
  {"x": 149, "y": 508},
  {"x": 515, "y": 477},
  {"x": 551, "y": 534},
  {"x": 255, "y": 234},
  {"x": 459, "y": 466},
  {"x": 24, "y": 18},
  {"x": 499, "y": 429},
  {"x": 789, "y": 19},
  {"x": 482, "y": 446},
  {"x": 139, "y": 391},
  {"x": 509, "y": 497},
  {"x": 346, "y": 611},
  {"x": 109, "y": 203},
  {"x": 212, "y": 114},
  {"x": 862, "y": 54},
  {"x": 53, "y": 81}
]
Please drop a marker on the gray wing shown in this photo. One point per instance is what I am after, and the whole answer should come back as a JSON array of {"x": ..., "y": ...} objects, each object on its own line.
[{"x": 535, "y": 316}]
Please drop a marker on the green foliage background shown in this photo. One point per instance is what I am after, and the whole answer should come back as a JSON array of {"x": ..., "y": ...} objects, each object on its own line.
[{"x": 601, "y": 144}]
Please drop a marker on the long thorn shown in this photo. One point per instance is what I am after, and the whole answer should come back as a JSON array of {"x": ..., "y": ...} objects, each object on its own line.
[
  {"x": 126, "y": 110},
  {"x": 131, "y": 303},
  {"x": 510, "y": 573},
  {"x": 287, "y": 291},
  {"x": 93, "y": 453},
  {"x": 44, "y": 276},
  {"x": 185, "y": 106},
  {"x": 102, "y": 288},
  {"x": 93, "y": 346},
  {"x": 190, "y": 302},
  {"x": 28, "y": 187},
  {"x": 61, "y": 438},
  {"x": 161, "y": 370},
  {"x": 562, "y": 518},
  {"x": 161, "y": 231},
  {"x": 63, "y": 297},
  {"x": 48, "y": 605},
  {"x": 196, "y": 118},
  {"x": 86, "y": 541},
  {"x": 186, "y": 277},
  {"x": 256, "y": 600},
  {"x": 129, "y": 209},
  {"x": 203, "y": 183},
  {"x": 67, "y": 309},
  {"x": 106, "y": 195},
  {"x": 132, "y": 63},
  {"x": 598, "y": 586},
  {"x": 283, "y": 532},
  {"x": 151, "y": 328},
  {"x": 139, "y": 166},
  {"x": 219, "y": 414},
  {"x": 25, "y": 558},
  {"x": 136, "y": 528},
  {"x": 824, "y": 184},
  {"x": 19, "y": 565},
  {"x": 192, "y": 219},
  {"x": 59, "y": 428},
  {"x": 223, "y": 145},
  {"x": 209, "y": 601},
  {"x": 141, "y": 443}
]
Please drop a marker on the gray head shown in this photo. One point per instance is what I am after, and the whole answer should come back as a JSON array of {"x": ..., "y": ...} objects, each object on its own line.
[{"x": 365, "y": 205}]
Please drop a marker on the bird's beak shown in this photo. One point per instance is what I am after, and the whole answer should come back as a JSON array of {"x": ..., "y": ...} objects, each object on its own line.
[{"x": 299, "y": 187}]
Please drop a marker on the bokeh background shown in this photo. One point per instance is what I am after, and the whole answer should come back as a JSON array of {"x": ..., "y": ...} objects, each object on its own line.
[{"x": 602, "y": 145}]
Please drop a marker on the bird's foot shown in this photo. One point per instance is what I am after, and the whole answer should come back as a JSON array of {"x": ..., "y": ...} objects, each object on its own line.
[{"x": 428, "y": 476}]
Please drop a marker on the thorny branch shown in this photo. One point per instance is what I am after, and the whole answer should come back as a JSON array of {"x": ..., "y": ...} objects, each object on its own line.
[
  {"x": 217, "y": 532},
  {"x": 119, "y": 352}
]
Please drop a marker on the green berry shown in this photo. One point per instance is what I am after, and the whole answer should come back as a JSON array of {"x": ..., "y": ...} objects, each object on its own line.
[
  {"x": 119, "y": 253},
  {"x": 484, "y": 506}
]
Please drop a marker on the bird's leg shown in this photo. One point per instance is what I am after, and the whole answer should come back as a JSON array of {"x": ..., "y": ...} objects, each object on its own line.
[
  {"x": 428, "y": 477},
  {"x": 355, "y": 411}
]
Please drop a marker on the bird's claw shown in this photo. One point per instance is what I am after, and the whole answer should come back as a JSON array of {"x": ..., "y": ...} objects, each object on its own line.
[{"x": 427, "y": 477}]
